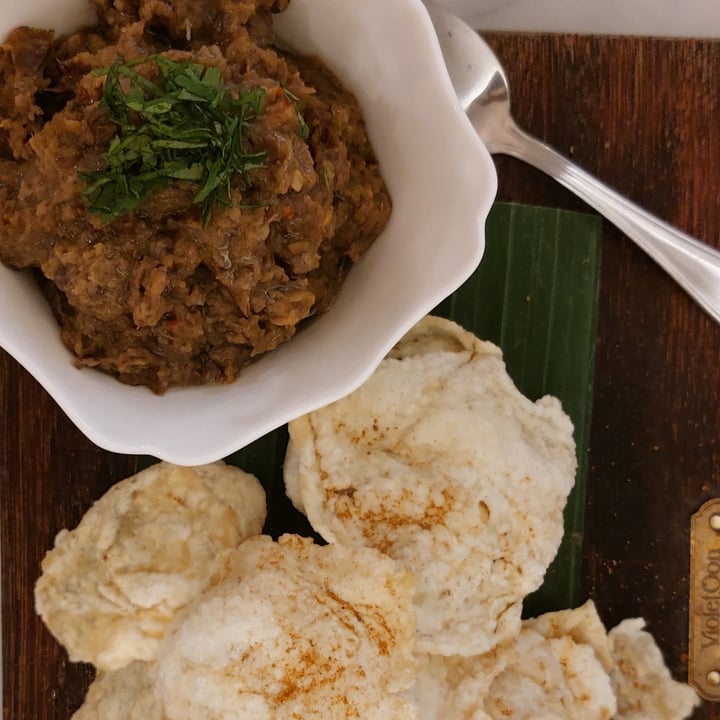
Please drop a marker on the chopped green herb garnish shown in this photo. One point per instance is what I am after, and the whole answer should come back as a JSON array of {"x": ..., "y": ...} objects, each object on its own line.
[
  {"x": 328, "y": 174},
  {"x": 184, "y": 126},
  {"x": 303, "y": 130}
]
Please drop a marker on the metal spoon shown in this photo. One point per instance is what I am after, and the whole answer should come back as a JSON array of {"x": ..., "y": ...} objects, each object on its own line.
[{"x": 482, "y": 88}]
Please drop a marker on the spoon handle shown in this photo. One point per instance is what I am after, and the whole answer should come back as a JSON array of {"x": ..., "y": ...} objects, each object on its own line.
[{"x": 693, "y": 264}]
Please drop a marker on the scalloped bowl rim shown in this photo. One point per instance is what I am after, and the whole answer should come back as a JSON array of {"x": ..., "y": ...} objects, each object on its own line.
[{"x": 442, "y": 182}]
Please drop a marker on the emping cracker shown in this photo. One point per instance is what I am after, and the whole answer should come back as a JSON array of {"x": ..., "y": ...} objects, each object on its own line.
[
  {"x": 151, "y": 544},
  {"x": 301, "y": 631},
  {"x": 440, "y": 462}
]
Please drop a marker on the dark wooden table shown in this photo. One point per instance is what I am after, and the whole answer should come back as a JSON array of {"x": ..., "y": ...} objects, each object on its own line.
[{"x": 644, "y": 115}]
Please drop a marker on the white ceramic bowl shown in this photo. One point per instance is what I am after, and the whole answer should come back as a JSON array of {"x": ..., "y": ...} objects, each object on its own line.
[{"x": 442, "y": 184}]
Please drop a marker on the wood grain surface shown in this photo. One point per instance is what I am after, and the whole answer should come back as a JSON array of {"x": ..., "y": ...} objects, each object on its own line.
[{"x": 644, "y": 115}]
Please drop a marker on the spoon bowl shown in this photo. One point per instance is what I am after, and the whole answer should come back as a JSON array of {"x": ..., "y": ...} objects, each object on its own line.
[{"x": 482, "y": 89}]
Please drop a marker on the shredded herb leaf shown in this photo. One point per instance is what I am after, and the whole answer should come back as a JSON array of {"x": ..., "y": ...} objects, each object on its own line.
[
  {"x": 303, "y": 129},
  {"x": 184, "y": 126}
]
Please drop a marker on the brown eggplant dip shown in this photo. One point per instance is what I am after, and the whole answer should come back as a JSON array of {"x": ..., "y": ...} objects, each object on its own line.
[{"x": 187, "y": 193}]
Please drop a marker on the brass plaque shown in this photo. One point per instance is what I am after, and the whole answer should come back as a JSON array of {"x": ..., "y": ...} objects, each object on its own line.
[{"x": 704, "y": 670}]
